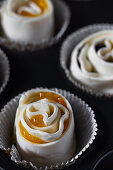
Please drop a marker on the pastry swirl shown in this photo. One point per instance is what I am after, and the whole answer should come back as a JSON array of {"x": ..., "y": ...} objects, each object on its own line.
[
  {"x": 27, "y": 20},
  {"x": 28, "y": 8},
  {"x": 92, "y": 61},
  {"x": 49, "y": 113},
  {"x": 44, "y": 119}
]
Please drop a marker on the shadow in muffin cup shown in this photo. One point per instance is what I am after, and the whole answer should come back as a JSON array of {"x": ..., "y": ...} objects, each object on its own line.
[
  {"x": 85, "y": 129},
  {"x": 4, "y": 70},
  {"x": 62, "y": 19},
  {"x": 105, "y": 161}
]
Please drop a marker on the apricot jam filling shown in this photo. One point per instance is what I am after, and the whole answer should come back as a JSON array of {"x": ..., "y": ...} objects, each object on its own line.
[
  {"x": 30, "y": 137},
  {"x": 45, "y": 95},
  {"x": 37, "y": 120},
  {"x": 42, "y": 4}
]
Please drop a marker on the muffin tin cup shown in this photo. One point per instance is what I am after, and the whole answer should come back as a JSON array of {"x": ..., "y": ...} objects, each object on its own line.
[
  {"x": 4, "y": 70},
  {"x": 66, "y": 51},
  {"x": 85, "y": 129},
  {"x": 62, "y": 19},
  {"x": 104, "y": 160}
]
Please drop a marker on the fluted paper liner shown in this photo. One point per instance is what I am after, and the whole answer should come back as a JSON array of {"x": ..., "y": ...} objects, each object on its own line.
[
  {"x": 85, "y": 129},
  {"x": 62, "y": 18},
  {"x": 4, "y": 70},
  {"x": 67, "y": 48}
]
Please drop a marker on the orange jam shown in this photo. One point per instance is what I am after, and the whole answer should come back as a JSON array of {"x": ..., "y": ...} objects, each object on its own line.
[
  {"x": 30, "y": 137},
  {"x": 48, "y": 95},
  {"x": 37, "y": 120},
  {"x": 43, "y": 5}
]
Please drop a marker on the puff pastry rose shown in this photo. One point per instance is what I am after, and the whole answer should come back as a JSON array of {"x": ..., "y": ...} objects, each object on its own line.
[
  {"x": 44, "y": 128},
  {"x": 92, "y": 62},
  {"x": 27, "y": 20}
]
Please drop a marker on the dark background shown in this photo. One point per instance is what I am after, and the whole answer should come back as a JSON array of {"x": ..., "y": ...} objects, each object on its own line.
[{"x": 42, "y": 69}]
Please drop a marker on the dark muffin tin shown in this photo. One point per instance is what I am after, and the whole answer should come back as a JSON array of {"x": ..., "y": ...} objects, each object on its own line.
[{"x": 42, "y": 68}]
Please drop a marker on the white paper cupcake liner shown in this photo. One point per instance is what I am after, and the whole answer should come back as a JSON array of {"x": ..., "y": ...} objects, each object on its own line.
[
  {"x": 85, "y": 129},
  {"x": 67, "y": 48},
  {"x": 62, "y": 19},
  {"x": 4, "y": 70}
]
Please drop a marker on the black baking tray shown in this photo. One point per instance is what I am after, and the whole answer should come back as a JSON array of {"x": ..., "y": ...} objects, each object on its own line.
[{"x": 42, "y": 69}]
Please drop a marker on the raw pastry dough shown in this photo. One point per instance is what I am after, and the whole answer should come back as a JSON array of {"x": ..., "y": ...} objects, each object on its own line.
[
  {"x": 27, "y": 20},
  {"x": 44, "y": 128},
  {"x": 92, "y": 62}
]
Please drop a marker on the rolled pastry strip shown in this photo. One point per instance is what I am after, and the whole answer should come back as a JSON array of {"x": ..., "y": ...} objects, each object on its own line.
[
  {"x": 92, "y": 61},
  {"x": 27, "y": 20},
  {"x": 44, "y": 128}
]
